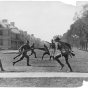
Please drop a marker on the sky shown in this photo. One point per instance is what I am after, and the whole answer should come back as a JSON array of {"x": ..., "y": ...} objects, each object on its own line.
[{"x": 41, "y": 18}]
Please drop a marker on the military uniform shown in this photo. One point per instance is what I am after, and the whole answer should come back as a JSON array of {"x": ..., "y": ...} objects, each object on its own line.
[
  {"x": 32, "y": 51},
  {"x": 52, "y": 49},
  {"x": 24, "y": 49}
]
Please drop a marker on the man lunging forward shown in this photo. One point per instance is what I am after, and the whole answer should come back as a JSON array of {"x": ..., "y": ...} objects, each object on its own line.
[{"x": 24, "y": 49}]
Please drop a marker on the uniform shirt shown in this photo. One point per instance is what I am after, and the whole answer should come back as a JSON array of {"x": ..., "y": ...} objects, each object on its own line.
[
  {"x": 46, "y": 48},
  {"x": 25, "y": 47},
  {"x": 52, "y": 46},
  {"x": 63, "y": 47}
]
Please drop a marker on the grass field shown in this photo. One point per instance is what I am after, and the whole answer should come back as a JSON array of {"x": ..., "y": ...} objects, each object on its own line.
[{"x": 79, "y": 63}]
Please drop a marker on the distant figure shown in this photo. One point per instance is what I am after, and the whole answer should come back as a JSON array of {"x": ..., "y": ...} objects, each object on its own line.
[
  {"x": 52, "y": 49},
  {"x": 24, "y": 49},
  {"x": 46, "y": 51},
  {"x": 32, "y": 51}
]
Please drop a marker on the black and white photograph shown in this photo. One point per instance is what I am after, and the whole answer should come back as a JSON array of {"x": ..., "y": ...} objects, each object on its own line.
[{"x": 44, "y": 43}]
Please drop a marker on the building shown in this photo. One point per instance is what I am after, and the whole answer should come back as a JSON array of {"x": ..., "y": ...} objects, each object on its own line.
[{"x": 10, "y": 36}]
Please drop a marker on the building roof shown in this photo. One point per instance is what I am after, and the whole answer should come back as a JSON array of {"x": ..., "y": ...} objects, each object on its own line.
[
  {"x": 15, "y": 30},
  {"x": 7, "y": 25},
  {"x": 3, "y": 25}
]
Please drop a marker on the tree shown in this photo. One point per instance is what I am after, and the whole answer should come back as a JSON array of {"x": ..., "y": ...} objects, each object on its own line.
[{"x": 79, "y": 28}]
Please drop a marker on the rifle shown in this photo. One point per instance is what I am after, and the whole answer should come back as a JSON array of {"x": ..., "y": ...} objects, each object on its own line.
[
  {"x": 25, "y": 51},
  {"x": 21, "y": 52}
]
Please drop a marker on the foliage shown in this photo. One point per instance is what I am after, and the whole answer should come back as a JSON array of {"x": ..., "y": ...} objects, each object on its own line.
[{"x": 79, "y": 27}]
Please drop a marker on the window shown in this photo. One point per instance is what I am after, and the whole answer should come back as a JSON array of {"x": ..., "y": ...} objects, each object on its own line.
[
  {"x": 1, "y": 41},
  {"x": 1, "y": 32}
]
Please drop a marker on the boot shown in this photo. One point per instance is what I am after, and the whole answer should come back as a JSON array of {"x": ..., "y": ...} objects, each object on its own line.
[
  {"x": 28, "y": 65},
  {"x": 13, "y": 63}
]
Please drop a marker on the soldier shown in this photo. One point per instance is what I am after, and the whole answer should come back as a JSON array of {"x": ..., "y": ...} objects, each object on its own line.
[
  {"x": 24, "y": 49},
  {"x": 32, "y": 51},
  {"x": 65, "y": 51},
  {"x": 65, "y": 45},
  {"x": 52, "y": 49},
  {"x": 46, "y": 51}
]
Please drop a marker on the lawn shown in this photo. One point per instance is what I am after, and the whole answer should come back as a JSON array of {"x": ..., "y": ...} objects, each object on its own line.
[{"x": 79, "y": 63}]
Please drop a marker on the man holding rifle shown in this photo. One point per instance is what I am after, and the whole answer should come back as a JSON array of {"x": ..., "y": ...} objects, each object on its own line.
[{"x": 24, "y": 49}]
